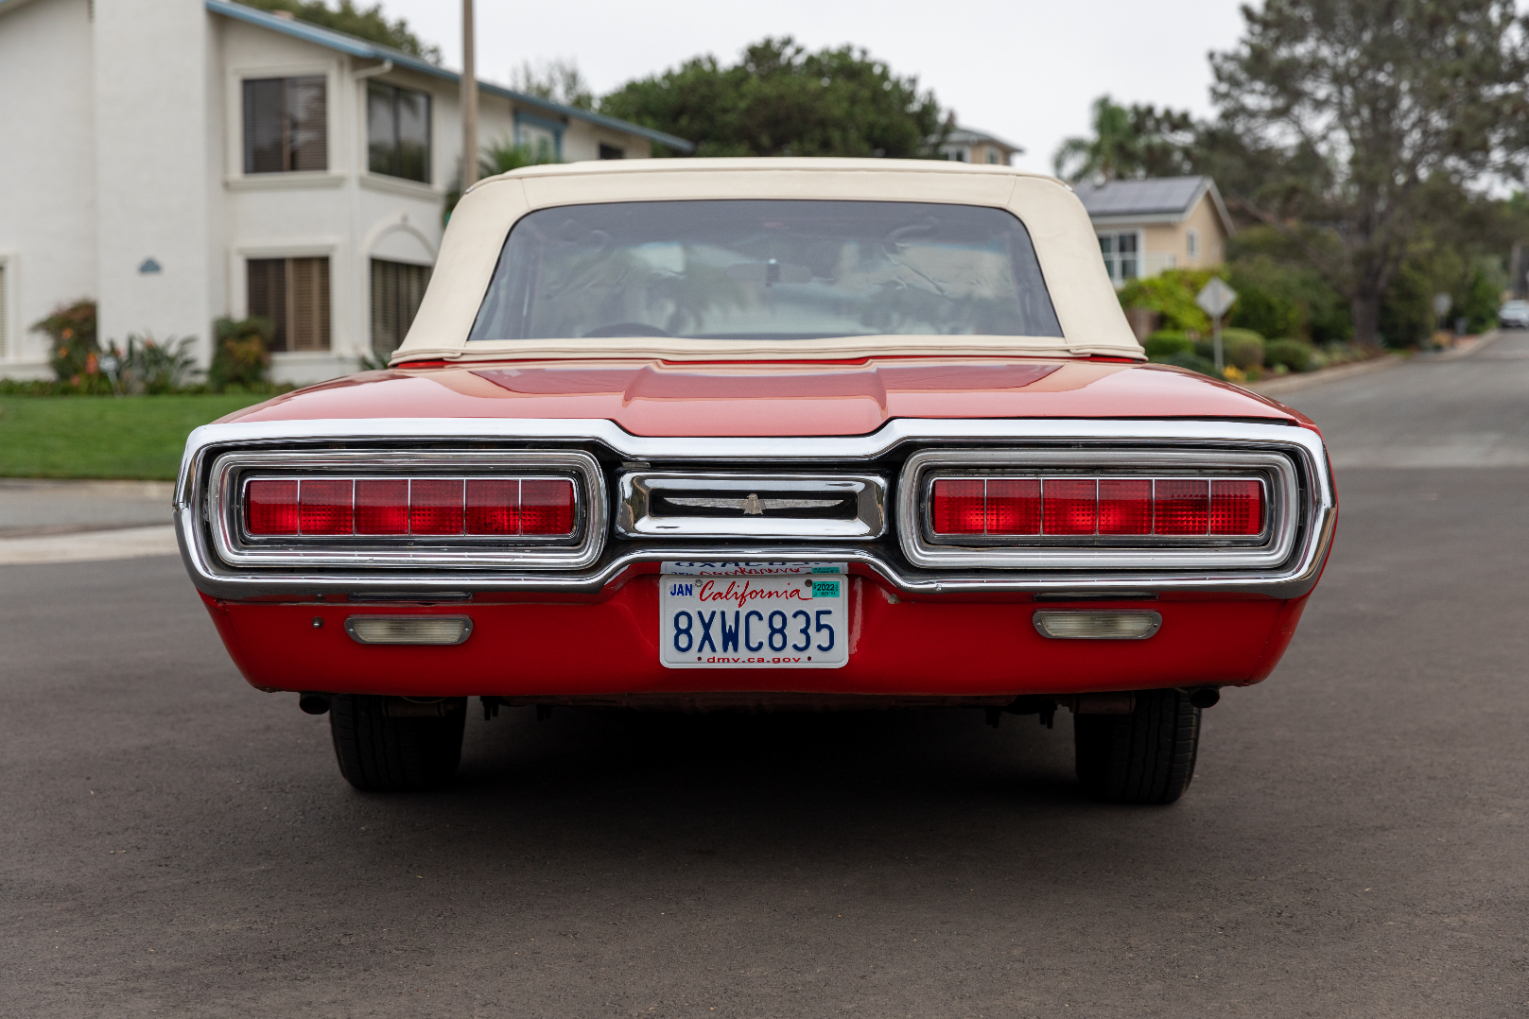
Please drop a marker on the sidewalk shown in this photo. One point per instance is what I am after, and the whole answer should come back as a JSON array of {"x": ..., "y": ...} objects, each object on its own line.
[{"x": 44, "y": 521}]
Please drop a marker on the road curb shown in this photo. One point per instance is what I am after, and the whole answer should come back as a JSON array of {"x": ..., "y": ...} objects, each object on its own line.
[
  {"x": 1290, "y": 383},
  {"x": 90, "y": 546}
]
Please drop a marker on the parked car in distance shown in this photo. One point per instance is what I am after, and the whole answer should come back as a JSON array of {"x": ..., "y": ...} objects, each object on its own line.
[
  {"x": 762, "y": 434},
  {"x": 1513, "y": 315}
]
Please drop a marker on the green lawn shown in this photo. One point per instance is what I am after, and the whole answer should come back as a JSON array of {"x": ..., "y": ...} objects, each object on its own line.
[{"x": 101, "y": 436}]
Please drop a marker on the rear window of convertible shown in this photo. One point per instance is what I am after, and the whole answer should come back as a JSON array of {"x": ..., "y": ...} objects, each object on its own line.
[{"x": 766, "y": 270}]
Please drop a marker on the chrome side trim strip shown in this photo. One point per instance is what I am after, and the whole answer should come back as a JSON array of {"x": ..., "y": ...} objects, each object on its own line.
[{"x": 1295, "y": 578}]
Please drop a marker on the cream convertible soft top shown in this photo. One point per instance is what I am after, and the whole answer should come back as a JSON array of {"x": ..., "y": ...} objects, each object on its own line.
[{"x": 1086, "y": 306}]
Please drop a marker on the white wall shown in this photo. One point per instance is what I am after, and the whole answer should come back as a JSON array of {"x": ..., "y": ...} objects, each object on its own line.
[
  {"x": 151, "y": 168},
  {"x": 47, "y": 171}
]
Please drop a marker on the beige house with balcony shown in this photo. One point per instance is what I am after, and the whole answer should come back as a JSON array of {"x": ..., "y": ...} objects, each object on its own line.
[{"x": 1147, "y": 226}]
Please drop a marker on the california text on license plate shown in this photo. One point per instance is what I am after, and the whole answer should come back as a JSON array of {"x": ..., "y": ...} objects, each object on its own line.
[{"x": 790, "y": 622}]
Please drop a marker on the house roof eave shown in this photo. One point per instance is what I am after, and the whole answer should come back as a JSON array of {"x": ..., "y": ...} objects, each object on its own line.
[{"x": 355, "y": 47}]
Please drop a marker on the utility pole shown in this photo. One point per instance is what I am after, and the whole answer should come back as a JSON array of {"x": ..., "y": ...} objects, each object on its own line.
[{"x": 469, "y": 101}]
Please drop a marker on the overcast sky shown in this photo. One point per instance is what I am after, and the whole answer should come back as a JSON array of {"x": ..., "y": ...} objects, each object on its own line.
[{"x": 1023, "y": 70}]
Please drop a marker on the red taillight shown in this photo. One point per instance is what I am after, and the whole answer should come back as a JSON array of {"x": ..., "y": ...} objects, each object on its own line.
[
  {"x": 1125, "y": 506},
  {"x": 1183, "y": 506},
  {"x": 271, "y": 507},
  {"x": 382, "y": 506},
  {"x": 440, "y": 507},
  {"x": 435, "y": 506},
  {"x": 1013, "y": 506},
  {"x": 1236, "y": 507},
  {"x": 546, "y": 507},
  {"x": 324, "y": 506},
  {"x": 493, "y": 506},
  {"x": 1072, "y": 506},
  {"x": 1067, "y": 506},
  {"x": 957, "y": 506}
]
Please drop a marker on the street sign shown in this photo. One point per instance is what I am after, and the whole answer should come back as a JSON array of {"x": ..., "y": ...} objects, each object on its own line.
[
  {"x": 1216, "y": 298},
  {"x": 1441, "y": 304}
]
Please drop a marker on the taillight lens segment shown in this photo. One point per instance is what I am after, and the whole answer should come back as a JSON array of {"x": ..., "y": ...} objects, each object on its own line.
[
  {"x": 425, "y": 507},
  {"x": 1073, "y": 506}
]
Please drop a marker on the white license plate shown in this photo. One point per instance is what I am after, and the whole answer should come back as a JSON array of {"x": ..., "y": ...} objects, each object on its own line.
[{"x": 790, "y": 622}]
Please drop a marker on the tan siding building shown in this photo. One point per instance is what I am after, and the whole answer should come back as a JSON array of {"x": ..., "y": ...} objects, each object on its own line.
[{"x": 1147, "y": 226}]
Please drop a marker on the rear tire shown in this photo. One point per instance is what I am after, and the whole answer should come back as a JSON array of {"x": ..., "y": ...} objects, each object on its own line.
[
  {"x": 1147, "y": 756},
  {"x": 381, "y": 753}
]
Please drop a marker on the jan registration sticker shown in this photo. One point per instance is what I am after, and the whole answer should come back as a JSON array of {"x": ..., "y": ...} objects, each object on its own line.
[{"x": 779, "y": 622}]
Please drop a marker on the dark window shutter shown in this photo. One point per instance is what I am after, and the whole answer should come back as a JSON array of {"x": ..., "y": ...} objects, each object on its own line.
[
  {"x": 413, "y": 135},
  {"x": 263, "y": 126},
  {"x": 381, "y": 128},
  {"x": 397, "y": 290},
  {"x": 267, "y": 288},
  {"x": 308, "y": 303},
  {"x": 611, "y": 152},
  {"x": 308, "y": 120}
]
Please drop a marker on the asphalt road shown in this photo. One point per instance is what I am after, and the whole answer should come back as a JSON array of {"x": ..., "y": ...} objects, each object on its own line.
[{"x": 173, "y": 843}]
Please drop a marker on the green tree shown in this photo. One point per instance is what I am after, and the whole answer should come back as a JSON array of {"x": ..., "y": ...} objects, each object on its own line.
[
  {"x": 1352, "y": 119},
  {"x": 500, "y": 157},
  {"x": 557, "y": 80},
  {"x": 781, "y": 100},
  {"x": 1128, "y": 142},
  {"x": 367, "y": 23}
]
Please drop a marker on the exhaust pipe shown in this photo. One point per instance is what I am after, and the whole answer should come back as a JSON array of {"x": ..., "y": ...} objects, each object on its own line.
[
  {"x": 313, "y": 703},
  {"x": 1204, "y": 697}
]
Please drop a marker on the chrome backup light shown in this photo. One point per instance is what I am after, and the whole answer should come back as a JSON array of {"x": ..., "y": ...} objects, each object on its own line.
[
  {"x": 1097, "y": 625},
  {"x": 409, "y": 629}
]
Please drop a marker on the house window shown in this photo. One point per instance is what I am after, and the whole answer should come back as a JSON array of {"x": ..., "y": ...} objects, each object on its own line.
[
  {"x": 293, "y": 294},
  {"x": 1121, "y": 256},
  {"x": 397, "y": 289},
  {"x": 1192, "y": 241},
  {"x": 611, "y": 152},
  {"x": 398, "y": 131},
  {"x": 542, "y": 137},
  {"x": 285, "y": 125},
  {"x": 992, "y": 155}
]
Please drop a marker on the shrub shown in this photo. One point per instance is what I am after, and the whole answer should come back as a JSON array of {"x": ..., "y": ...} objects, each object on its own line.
[
  {"x": 1296, "y": 355},
  {"x": 1242, "y": 348},
  {"x": 1166, "y": 342},
  {"x": 1192, "y": 361},
  {"x": 154, "y": 368},
  {"x": 1172, "y": 295},
  {"x": 241, "y": 353},
  {"x": 76, "y": 354}
]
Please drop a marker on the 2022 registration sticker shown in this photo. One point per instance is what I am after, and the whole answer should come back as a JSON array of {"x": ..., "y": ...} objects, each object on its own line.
[{"x": 751, "y": 622}]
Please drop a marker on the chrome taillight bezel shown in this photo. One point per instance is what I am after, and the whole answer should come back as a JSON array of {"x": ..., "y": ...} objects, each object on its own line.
[
  {"x": 236, "y": 546},
  {"x": 1272, "y": 546}
]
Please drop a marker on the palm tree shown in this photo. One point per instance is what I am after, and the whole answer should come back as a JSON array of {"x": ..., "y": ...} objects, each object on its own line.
[{"x": 1110, "y": 153}]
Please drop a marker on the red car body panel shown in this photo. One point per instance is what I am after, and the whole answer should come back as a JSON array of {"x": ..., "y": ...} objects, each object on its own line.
[
  {"x": 945, "y": 648},
  {"x": 656, "y": 399},
  {"x": 529, "y": 644}
]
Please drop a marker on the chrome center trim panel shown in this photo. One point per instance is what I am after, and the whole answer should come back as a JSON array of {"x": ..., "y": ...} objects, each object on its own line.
[
  {"x": 1304, "y": 447},
  {"x": 641, "y": 497}
]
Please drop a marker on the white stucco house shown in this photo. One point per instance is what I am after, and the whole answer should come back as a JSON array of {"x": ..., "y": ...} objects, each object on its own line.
[{"x": 180, "y": 160}]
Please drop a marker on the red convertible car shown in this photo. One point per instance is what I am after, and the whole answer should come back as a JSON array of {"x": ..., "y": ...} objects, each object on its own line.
[{"x": 762, "y": 434}]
